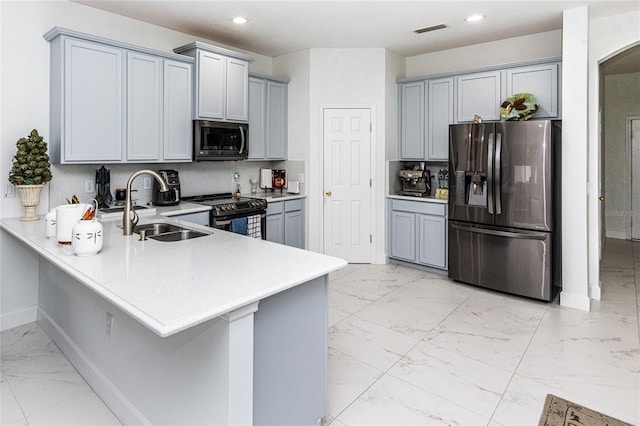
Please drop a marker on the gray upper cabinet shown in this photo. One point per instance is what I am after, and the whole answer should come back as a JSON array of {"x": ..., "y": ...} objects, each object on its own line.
[
  {"x": 440, "y": 115},
  {"x": 87, "y": 102},
  {"x": 412, "y": 120},
  {"x": 178, "y": 128},
  {"x": 479, "y": 94},
  {"x": 144, "y": 107},
  {"x": 428, "y": 105},
  {"x": 113, "y": 102},
  {"x": 268, "y": 130},
  {"x": 542, "y": 82},
  {"x": 221, "y": 82}
]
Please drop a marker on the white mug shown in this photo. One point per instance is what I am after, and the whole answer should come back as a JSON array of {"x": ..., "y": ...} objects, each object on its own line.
[{"x": 68, "y": 215}]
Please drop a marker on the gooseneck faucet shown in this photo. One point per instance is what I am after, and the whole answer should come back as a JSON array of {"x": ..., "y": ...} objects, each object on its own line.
[{"x": 130, "y": 217}]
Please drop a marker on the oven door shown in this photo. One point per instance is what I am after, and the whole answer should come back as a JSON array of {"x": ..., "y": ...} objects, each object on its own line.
[{"x": 226, "y": 223}]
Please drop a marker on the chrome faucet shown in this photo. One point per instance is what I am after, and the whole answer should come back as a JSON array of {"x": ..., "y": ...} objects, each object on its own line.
[{"x": 130, "y": 217}]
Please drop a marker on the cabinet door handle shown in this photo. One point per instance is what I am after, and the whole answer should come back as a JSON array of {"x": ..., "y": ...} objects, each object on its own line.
[{"x": 328, "y": 193}]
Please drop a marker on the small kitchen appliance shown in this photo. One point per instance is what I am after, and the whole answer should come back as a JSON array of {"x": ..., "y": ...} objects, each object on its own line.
[
  {"x": 172, "y": 196},
  {"x": 415, "y": 182},
  {"x": 219, "y": 140}
]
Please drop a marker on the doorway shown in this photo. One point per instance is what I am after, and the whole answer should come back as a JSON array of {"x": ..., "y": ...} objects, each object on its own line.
[
  {"x": 347, "y": 184},
  {"x": 633, "y": 147}
]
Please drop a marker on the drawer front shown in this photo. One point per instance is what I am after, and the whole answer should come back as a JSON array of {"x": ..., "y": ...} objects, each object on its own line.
[
  {"x": 293, "y": 205},
  {"x": 419, "y": 207},
  {"x": 275, "y": 208}
]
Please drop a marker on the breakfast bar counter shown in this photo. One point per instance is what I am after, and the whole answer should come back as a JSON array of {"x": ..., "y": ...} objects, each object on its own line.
[{"x": 212, "y": 330}]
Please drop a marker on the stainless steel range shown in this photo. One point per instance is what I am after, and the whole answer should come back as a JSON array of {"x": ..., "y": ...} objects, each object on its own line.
[{"x": 225, "y": 208}]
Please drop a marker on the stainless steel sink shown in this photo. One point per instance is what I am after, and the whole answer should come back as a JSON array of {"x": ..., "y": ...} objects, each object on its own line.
[{"x": 166, "y": 232}]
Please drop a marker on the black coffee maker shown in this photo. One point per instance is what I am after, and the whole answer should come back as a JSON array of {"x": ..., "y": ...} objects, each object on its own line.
[{"x": 172, "y": 196}]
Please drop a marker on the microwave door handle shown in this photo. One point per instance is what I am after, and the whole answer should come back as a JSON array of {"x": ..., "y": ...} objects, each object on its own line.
[
  {"x": 498, "y": 166},
  {"x": 242, "y": 139},
  {"x": 490, "y": 174}
]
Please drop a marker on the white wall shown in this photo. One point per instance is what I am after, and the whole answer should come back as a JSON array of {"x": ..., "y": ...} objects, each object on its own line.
[
  {"x": 341, "y": 78},
  {"x": 574, "y": 160},
  {"x": 607, "y": 37},
  {"x": 507, "y": 51},
  {"x": 25, "y": 84}
]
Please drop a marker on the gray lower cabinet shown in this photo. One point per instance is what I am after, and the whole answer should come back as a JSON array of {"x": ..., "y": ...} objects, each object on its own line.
[
  {"x": 285, "y": 222},
  {"x": 111, "y": 103},
  {"x": 418, "y": 232},
  {"x": 268, "y": 130}
]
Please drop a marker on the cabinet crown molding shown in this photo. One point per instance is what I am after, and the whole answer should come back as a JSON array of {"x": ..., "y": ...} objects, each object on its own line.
[
  {"x": 56, "y": 32},
  {"x": 214, "y": 49}
]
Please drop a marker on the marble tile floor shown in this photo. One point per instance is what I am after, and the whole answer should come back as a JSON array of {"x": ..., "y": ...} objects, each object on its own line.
[{"x": 409, "y": 347}]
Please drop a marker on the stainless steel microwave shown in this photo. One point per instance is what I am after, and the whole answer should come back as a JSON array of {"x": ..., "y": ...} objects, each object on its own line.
[{"x": 219, "y": 140}]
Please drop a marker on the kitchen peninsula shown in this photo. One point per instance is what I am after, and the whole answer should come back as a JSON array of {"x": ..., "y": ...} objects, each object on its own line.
[{"x": 221, "y": 329}]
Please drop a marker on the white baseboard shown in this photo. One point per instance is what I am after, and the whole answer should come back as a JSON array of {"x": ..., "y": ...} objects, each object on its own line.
[
  {"x": 18, "y": 318},
  {"x": 596, "y": 291},
  {"x": 616, "y": 234},
  {"x": 575, "y": 301},
  {"x": 126, "y": 412}
]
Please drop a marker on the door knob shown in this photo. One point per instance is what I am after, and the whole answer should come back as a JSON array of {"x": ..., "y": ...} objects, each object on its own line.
[
  {"x": 601, "y": 198},
  {"x": 328, "y": 193}
]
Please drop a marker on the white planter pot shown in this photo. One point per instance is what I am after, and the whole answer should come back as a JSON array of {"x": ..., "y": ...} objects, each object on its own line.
[{"x": 30, "y": 198}]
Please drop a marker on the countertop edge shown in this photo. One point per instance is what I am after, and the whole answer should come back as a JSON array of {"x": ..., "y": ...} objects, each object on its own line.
[{"x": 419, "y": 199}]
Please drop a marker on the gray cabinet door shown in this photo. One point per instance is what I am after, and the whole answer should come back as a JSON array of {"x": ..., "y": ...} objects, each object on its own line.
[
  {"x": 403, "y": 235},
  {"x": 93, "y": 103},
  {"x": 440, "y": 115},
  {"x": 276, "y": 121},
  {"x": 257, "y": 116},
  {"x": 479, "y": 94},
  {"x": 144, "y": 107},
  {"x": 412, "y": 118},
  {"x": 237, "y": 90},
  {"x": 432, "y": 240},
  {"x": 542, "y": 82},
  {"x": 178, "y": 101},
  {"x": 275, "y": 222},
  {"x": 294, "y": 223},
  {"x": 212, "y": 70}
]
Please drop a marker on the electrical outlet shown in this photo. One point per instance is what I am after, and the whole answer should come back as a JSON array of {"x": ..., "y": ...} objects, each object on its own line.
[
  {"x": 109, "y": 329},
  {"x": 10, "y": 192},
  {"x": 301, "y": 177},
  {"x": 89, "y": 186},
  {"x": 147, "y": 183},
  {"x": 236, "y": 176}
]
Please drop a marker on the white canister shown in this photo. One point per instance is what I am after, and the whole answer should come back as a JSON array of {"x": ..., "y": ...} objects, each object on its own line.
[
  {"x": 87, "y": 237},
  {"x": 50, "y": 224},
  {"x": 68, "y": 215}
]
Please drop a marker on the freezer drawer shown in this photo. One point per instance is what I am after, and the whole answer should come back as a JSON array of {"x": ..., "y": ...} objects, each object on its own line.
[{"x": 514, "y": 261}]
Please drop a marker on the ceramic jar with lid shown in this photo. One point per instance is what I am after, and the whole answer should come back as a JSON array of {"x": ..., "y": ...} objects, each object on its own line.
[
  {"x": 87, "y": 237},
  {"x": 50, "y": 224}
]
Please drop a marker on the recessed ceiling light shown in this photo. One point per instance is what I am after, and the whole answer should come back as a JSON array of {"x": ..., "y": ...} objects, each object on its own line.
[
  {"x": 240, "y": 20},
  {"x": 475, "y": 18}
]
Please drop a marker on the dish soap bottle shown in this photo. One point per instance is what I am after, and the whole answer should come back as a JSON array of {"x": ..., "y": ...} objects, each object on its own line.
[{"x": 237, "y": 193}]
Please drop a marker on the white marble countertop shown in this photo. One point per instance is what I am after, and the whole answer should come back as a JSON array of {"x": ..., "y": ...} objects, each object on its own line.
[
  {"x": 429, "y": 199},
  {"x": 172, "y": 286}
]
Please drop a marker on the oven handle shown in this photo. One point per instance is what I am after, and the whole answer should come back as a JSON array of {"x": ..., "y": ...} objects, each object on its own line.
[{"x": 228, "y": 221}]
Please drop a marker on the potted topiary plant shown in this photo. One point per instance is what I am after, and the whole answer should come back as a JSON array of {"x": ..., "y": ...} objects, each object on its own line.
[{"x": 30, "y": 171}]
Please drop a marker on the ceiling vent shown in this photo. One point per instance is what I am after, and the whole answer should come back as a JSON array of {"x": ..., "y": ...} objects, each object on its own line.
[{"x": 429, "y": 29}]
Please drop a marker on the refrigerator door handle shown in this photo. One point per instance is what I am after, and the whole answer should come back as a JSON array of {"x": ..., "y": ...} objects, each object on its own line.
[
  {"x": 524, "y": 235},
  {"x": 497, "y": 167},
  {"x": 490, "y": 175}
]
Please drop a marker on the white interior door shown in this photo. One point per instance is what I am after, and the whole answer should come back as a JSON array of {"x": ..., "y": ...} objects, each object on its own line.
[
  {"x": 633, "y": 135},
  {"x": 347, "y": 184}
]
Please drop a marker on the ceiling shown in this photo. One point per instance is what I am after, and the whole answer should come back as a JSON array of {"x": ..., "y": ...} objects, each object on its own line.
[{"x": 279, "y": 27}]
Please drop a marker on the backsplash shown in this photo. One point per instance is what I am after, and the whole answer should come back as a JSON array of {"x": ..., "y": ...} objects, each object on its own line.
[{"x": 195, "y": 178}]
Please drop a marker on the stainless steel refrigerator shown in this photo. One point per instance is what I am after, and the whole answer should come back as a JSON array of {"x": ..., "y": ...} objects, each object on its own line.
[{"x": 504, "y": 206}]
